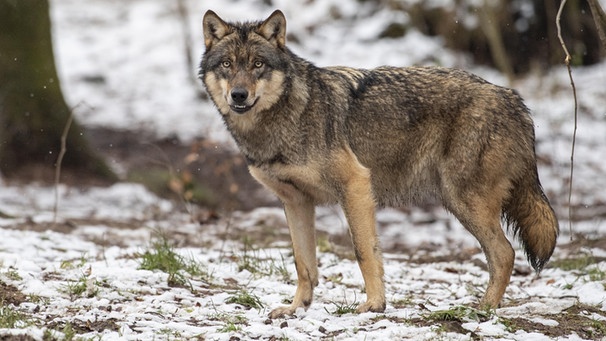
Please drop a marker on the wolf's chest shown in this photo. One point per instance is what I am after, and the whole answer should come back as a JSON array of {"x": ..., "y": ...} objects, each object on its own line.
[{"x": 290, "y": 182}]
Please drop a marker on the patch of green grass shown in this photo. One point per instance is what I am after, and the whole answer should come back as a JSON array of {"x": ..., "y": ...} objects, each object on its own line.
[
  {"x": 403, "y": 302},
  {"x": 69, "y": 264},
  {"x": 162, "y": 256},
  {"x": 568, "y": 286},
  {"x": 68, "y": 332},
  {"x": 230, "y": 328},
  {"x": 79, "y": 287},
  {"x": 232, "y": 322},
  {"x": 586, "y": 266},
  {"x": 13, "y": 274},
  {"x": 48, "y": 334},
  {"x": 37, "y": 299},
  {"x": 324, "y": 244},
  {"x": 335, "y": 278},
  {"x": 232, "y": 318},
  {"x": 510, "y": 325},
  {"x": 595, "y": 274},
  {"x": 570, "y": 264},
  {"x": 597, "y": 328},
  {"x": 250, "y": 260},
  {"x": 11, "y": 317},
  {"x": 280, "y": 269},
  {"x": 343, "y": 308},
  {"x": 75, "y": 288},
  {"x": 170, "y": 334},
  {"x": 246, "y": 299}
]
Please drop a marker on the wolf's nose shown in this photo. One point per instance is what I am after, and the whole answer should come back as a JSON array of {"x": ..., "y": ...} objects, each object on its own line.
[{"x": 239, "y": 95}]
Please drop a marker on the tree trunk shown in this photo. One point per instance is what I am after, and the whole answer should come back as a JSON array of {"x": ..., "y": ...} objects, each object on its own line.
[
  {"x": 599, "y": 17},
  {"x": 33, "y": 112},
  {"x": 491, "y": 26}
]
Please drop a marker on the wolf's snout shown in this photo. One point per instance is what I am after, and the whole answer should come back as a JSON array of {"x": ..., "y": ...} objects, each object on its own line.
[
  {"x": 239, "y": 99},
  {"x": 239, "y": 95}
]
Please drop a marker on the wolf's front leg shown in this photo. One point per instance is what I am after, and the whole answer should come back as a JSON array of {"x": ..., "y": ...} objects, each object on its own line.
[
  {"x": 361, "y": 217},
  {"x": 300, "y": 217},
  {"x": 359, "y": 206}
]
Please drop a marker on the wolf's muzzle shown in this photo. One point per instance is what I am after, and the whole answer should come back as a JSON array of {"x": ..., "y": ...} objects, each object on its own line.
[{"x": 239, "y": 96}]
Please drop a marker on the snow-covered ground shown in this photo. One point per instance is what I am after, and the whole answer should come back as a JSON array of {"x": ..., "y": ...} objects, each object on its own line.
[
  {"x": 123, "y": 62},
  {"x": 106, "y": 231}
]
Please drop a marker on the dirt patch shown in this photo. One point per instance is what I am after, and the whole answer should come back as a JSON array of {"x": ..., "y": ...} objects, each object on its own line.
[
  {"x": 202, "y": 171},
  {"x": 29, "y": 225},
  {"x": 574, "y": 320},
  {"x": 16, "y": 337},
  {"x": 577, "y": 320},
  {"x": 83, "y": 327},
  {"x": 10, "y": 295}
]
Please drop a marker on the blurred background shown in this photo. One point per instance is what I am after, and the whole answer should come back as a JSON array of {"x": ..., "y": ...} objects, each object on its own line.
[{"x": 126, "y": 73}]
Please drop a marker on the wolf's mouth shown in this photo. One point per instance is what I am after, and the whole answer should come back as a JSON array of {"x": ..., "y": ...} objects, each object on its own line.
[{"x": 242, "y": 108}]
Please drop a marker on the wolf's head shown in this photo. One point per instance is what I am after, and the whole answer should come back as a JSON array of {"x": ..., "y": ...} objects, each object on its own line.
[{"x": 244, "y": 66}]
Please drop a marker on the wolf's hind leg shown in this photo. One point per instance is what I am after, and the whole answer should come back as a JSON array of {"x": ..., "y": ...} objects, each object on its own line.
[
  {"x": 481, "y": 217},
  {"x": 300, "y": 217}
]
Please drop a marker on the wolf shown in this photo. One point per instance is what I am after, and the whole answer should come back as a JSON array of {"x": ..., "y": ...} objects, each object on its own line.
[{"x": 368, "y": 138}]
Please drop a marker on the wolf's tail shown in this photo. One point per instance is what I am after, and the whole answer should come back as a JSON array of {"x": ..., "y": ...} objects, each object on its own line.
[{"x": 530, "y": 216}]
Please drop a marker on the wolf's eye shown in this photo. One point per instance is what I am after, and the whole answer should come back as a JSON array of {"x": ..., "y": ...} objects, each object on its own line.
[
  {"x": 259, "y": 64},
  {"x": 226, "y": 64}
]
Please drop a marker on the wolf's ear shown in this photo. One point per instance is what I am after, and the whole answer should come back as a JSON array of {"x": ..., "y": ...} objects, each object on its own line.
[
  {"x": 214, "y": 28},
  {"x": 274, "y": 28}
]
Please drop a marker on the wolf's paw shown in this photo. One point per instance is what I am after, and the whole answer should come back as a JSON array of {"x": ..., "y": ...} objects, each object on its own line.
[
  {"x": 287, "y": 310},
  {"x": 487, "y": 304},
  {"x": 374, "y": 306}
]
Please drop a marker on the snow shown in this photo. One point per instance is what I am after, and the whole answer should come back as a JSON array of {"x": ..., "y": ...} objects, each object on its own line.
[
  {"x": 141, "y": 303},
  {"x": 121, "y": 65},
  {"x": 592, "y": 293}
]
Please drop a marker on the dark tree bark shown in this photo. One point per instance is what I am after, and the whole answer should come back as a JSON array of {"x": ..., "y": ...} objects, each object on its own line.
[
  {"x": 599, "y": 17},
  {"x": 33, "y": 112}
]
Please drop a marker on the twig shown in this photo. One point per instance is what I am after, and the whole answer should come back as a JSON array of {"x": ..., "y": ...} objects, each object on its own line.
[
  {"x": 59, "y": 161},
  {"x": 226, "y": 233},
  {"x": 574, "y": 93}
]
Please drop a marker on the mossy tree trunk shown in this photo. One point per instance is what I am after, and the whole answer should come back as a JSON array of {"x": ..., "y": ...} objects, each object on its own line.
[{"x": 33, "y": 112}]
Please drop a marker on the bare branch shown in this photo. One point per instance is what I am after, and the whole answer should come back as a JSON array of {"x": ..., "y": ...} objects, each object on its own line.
[
  {"x": 574, "y": 93},
  {"x": 68, "y": 124}
]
